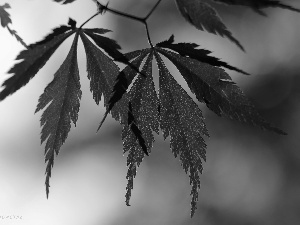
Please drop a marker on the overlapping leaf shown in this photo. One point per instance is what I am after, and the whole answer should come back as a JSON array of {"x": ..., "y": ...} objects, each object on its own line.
[
  {"x": 202, "y": 55},
  {"x": 104, "y": 83},
  {"x": 111, "y": 47},
  {"x": 63, "y": 94},
  {"x": 139, "y": 109},
  {"x": 116, "y": 104},
  {"x": 214, "y": 86},
  {"x": 143, "y": 118},
  {"x": 257, "y": 5},
  {"x": 102, "y": 71},
  {"x": 203, "y": 16},
  {"x": 141, "y": 113},
  {"x": 33, "y": 59},
  {"x": 182, "y": 119}
]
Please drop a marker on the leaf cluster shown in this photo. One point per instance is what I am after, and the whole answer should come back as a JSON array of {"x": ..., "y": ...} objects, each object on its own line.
[{"x": 129, "y": 94}]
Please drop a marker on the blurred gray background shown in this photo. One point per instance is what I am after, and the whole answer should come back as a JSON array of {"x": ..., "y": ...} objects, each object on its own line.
[{"x": 250, "y": 177}]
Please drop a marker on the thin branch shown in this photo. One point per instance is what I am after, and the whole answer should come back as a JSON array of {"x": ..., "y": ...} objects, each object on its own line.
[
  {"x": 89, "y": 19},
  {"x": 152, "y": 10},
  {"x": 129, "y": 16}
]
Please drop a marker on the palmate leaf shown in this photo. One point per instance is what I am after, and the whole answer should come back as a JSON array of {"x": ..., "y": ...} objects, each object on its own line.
[
  {"x": 141, "y": 112},
  {"x": 257, "y": 5},
  {"x": 64, "y": 95},
  {"x": 183, "y": 121},
  {"x": 33, "y": 59},
  {"x": 201, "y": 15}
]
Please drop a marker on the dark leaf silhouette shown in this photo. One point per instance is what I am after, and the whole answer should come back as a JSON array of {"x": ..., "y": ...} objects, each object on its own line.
[
  {"x": 33, "y": 59},
  {"x": 123, "y": 81},
  {"x": 257, "y": 5},
  {"x": 203, "y": 16},
  {"x": 143, "y": 118},
  {"x": 202, "y": 55},
  {"x": 63, "y": 95},
  {"x": 19, "y": 39},
  {"x": 111, "y": 47},
  {"x": 55, "y": 33},
  {"x": 102, "y": 71},
  {"x": 182, "y": 119},
  {"x": 4, "y": 16},
  {"x": 6, "y": 20},
  {"x": 214, "y": 86},
  {"x": 130, "y": 95}
]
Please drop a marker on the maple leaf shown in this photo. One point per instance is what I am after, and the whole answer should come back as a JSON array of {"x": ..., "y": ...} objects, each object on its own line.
[
  {"x": 143, "y": 118},
  {"x": 201, "y": 15},
  {"x": 123, "y": 81},
  {"x": 182, "y": 119},
  {"x": 55, "y": 33},
  {"x": 202, "y": 55},
  {"x": 111, "y": 47},
  {"x": 64, "y": 95},
  {"x": 33, "y": 59},
  {"x": 4, "y": 16},
  {"x": 257, "y": 5},
  {"x": 214, "y": 87},
  {"x": 102, "y": 71},
  {"x": 141, "y": 112}
]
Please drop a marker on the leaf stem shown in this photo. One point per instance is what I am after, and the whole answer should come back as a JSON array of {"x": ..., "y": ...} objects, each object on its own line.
[
  {"x": 136, "y": 18},
  {"x": 148, "y": 34},
  {"x": 152, "y": 10},
  {"x": 119, "y": 13},
  {"x": 89, "y": 19}
]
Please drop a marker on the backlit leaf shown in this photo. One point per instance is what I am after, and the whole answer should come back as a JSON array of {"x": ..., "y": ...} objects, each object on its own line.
[
  {"x": 102, "y": 71},
  {"x": 202, "y": 55},
  {"x": 62, "y": 98},
  {"x": 214, "y": 86},
  {"x": 201, "y": 15},
  {"x": 182, "y": 119},
  {"x": 33, "y": 59},
  {"x": 257, "y": 5}
]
